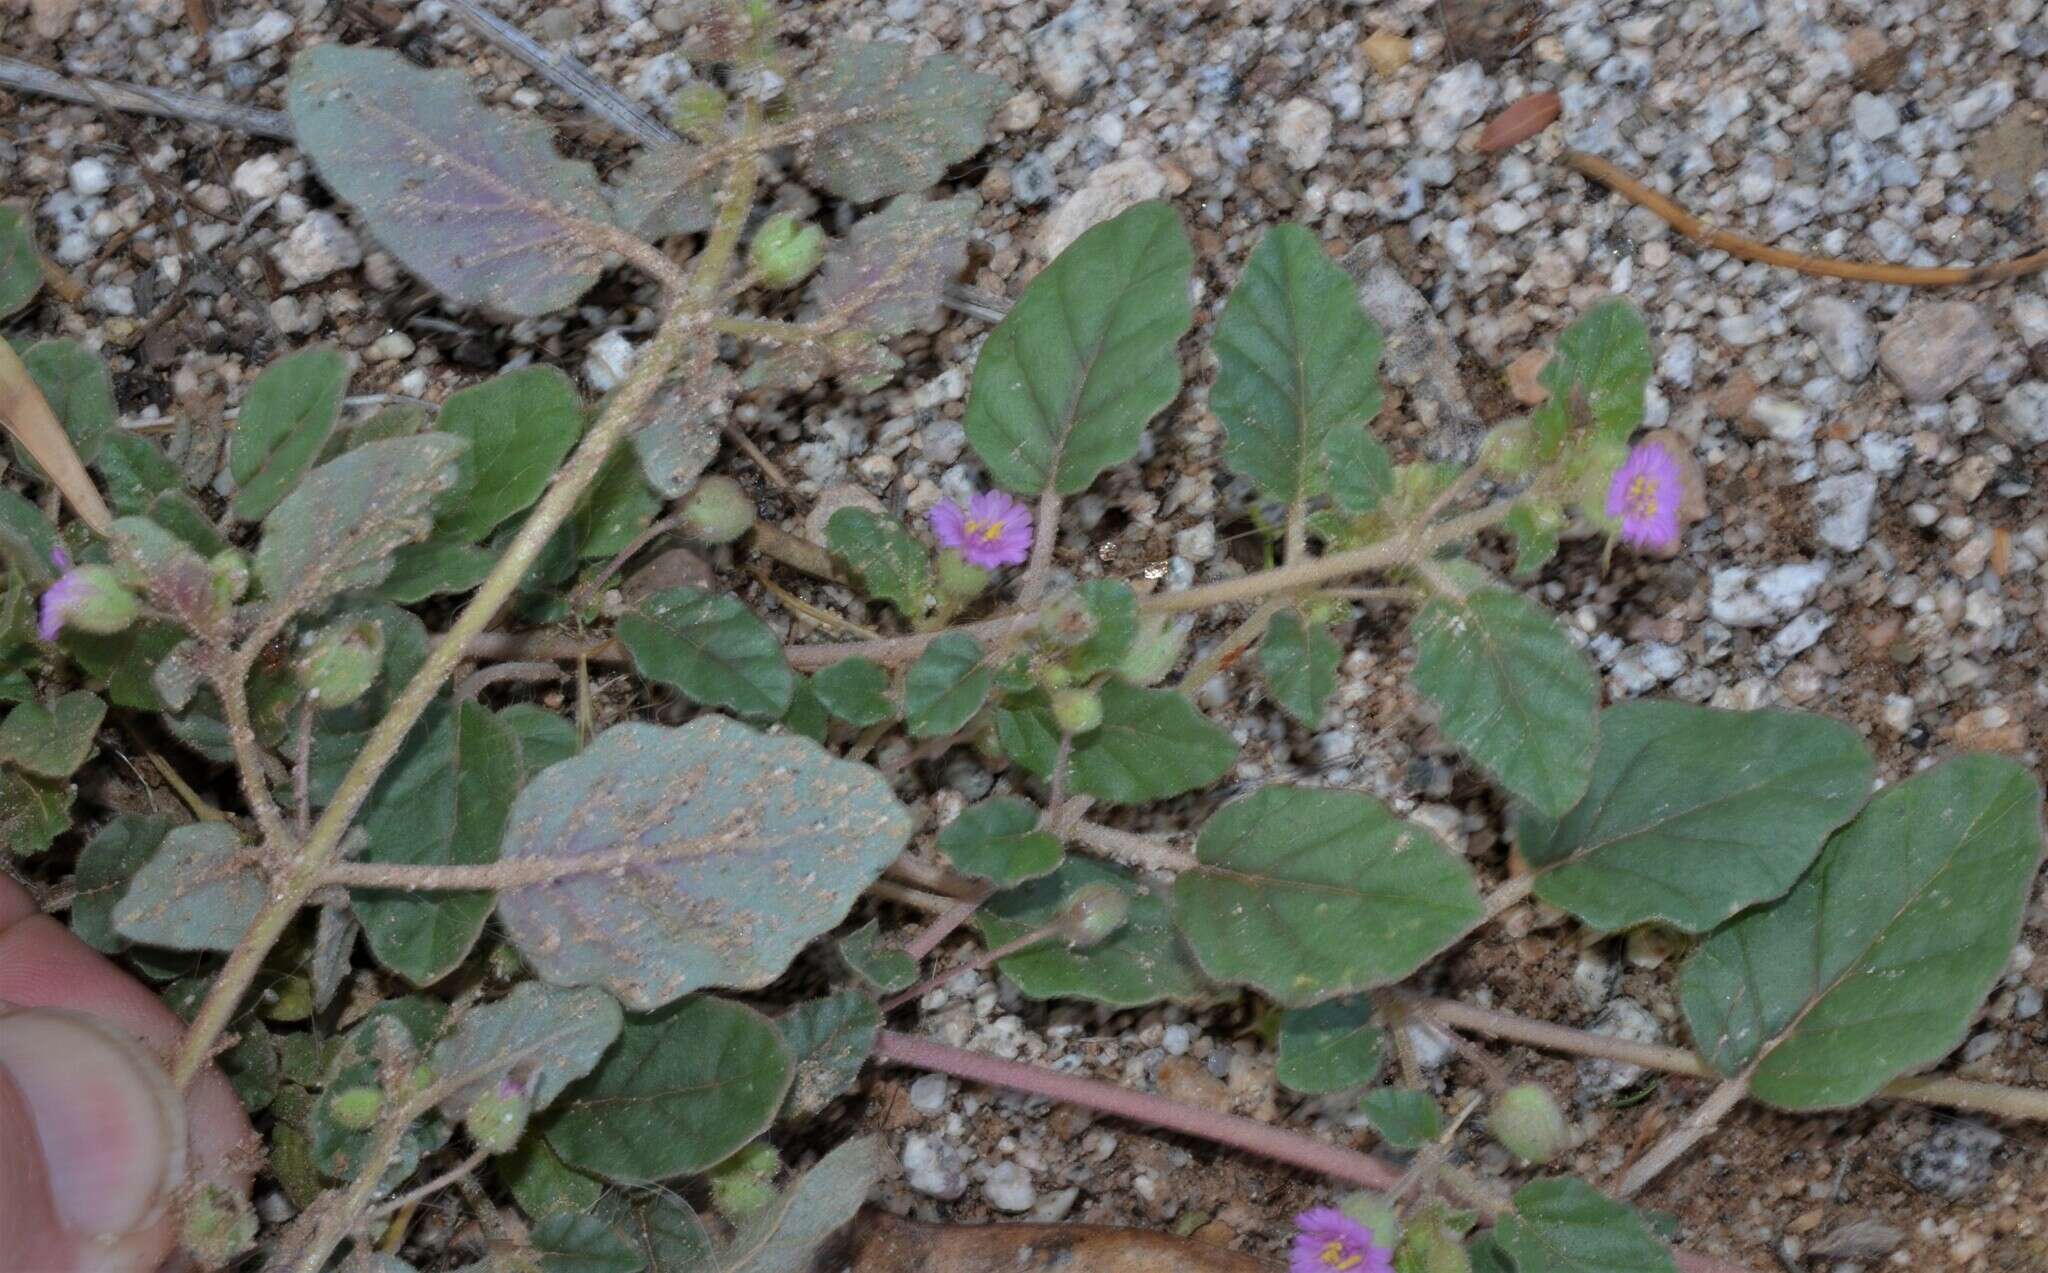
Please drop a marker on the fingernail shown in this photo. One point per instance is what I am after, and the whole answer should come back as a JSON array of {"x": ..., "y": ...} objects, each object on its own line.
[{"x": 111, "y": 1124}]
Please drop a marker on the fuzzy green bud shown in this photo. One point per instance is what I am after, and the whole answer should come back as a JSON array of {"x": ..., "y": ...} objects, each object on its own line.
[
  {"x": 1509, "y": 451},
  {"x": 1093, "y": 915},
  {"x": 960, "y": 580},
  {"x": 745, "y": 1182},
  {"x": 1054, "y": 677},
  {"x": 1076, "y": 710},
  {"x": 1066, "y": 621},
  {"x": 1154, "y": 651},
  {"x": 1375, "y": 1213},
  {"x": 718, "y": 511},
  {"x": 88, "y": 599},
  {"x": 1432, "y": 1249},
  {"x": 497, "y": 1119},
  {"x": 340, "y": 661},
  {"x": 1527, "y": 1122},
  {"x": 219, "y": 1224},
  {"x": 230, "y": 570},
  {"x": 785, "y": 250},
  {"x": 356, "y": 1108},
  {"x": 697, "y": 111}
]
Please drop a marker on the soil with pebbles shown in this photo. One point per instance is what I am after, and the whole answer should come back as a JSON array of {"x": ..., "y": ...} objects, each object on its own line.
[{"x": 1874, "y": 545}]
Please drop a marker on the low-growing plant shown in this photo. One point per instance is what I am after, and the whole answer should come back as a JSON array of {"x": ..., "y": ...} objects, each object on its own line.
[{"x": 591, "y": 1050}]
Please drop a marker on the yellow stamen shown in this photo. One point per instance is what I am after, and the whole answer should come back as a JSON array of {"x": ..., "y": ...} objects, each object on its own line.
[
  {"x": 1337, "y": 1256},
  {"x": 987, "y": 532},
  {"x": 1642, "y": 496}
]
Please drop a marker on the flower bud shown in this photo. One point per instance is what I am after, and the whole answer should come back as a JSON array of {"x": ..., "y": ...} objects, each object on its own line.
[
  {"x": 717, "y": 512},
  {"x": 1154, "y": 651},
  {"x": 341, "y": 661},
  {"x": 1093, "y": 915},
  {"x": 745, "y": 1182},
  {"x": 230, "y": 570},
  {"x": 1375, "y": 1213},
  {"x": 1528, "y": 1123},
  {"x": 497, "y": 1119},
  {"x": 356, "y": 1108},
  {"x": 1076, "y": 710},
  {"x": 960, "y": 580},
  {"x": 1509, "y": 451},
  {"x": 88, "y": 599},
  {"x": 219, "y": 1224},
  {"x": 697, "y": 111},
  {"x": 785, "y": 250},
  {"x": 1066, "y": 621},
  {"x": 1433, "y": 1249}
]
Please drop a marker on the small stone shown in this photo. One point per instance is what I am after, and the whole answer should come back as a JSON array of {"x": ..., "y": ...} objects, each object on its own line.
[
  {"x": 1009, "y": 1188},
  {"x": 1184, "y": 1079},
  {"x": 1741, "y": 598},
  {"x": 260, "y": 178},
  {"x": 1844, "y": 334},
  {"x": 2022, "y": 418},
  {"x": 1020, "y": 113},
  {"x": 1110, "y": 189},
  {"x": 1387, "y": 52},
  {"x": 933, "y": 1168},
  {"x": 390, "y": 347},
  {"x": 1983, "y": 104},
  {"x": 90, "y": 176},
  {"x": 1934, "y": 347},
  {"x": 1842, "y": 505},
  {"x": 1784, "y": 420},
  {"x": 318, "y": 246},
  {"x": 1454, "y": 101},
  {"x": 1601, "y": 1079},
  {"x": 1874, "y": 117},
  {"x": 1176, "y": 1040},
  {"x": 1954, "y": 1162},
  {"x": 1031, "y": 181},
  {"x": 607, "y": 361},
  {"x": 1738, "y": 17},
  {"x": 1522, "y": 382},
  {"x": 928, "y": 1094},
  {"x": 1063, "y": 52},
  {"x": 1302, "y": 132}
]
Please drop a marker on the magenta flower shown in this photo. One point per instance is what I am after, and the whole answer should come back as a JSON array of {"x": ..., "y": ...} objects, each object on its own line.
[
  {"x": 1644, "y": 497},
  {"x": 58, "y": 599},
  {"x": 993, "y": 530},
  {"x": 89, "y": 598},
  {"x": 1331, "y": 1242}
]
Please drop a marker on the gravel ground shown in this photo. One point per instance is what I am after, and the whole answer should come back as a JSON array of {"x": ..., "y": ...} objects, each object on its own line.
[{"x": 1876, "y": 525}]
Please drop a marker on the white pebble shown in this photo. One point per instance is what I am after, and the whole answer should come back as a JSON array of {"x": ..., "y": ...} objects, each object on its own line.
[{"x": 90, "y": 176}]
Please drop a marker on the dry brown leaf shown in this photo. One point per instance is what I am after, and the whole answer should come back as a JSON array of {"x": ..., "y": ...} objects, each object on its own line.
[
  {"x": 28, "y": 419},
  {"x": 883, "y": 1243}
]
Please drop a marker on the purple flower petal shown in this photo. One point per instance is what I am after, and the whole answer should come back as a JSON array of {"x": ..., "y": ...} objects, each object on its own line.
[
  {"x": 993, "y": 530},
  {"x": 1645, "y": 496},
  {"x": 56, "y": 603},
  {"x": 949, "y": 525},
  {"x": 1328, "y": 1241}
]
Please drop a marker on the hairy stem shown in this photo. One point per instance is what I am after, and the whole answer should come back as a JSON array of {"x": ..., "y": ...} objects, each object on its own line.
[
  {"x": 1252, "y": 627},
  {"x": 943, "y": 927},
  {"x": 976, "y": 964},
  {"x": 1128, "y": 847},
  {"x": 1700, "y": 1123},
  {"x": 1044, "y": 538},
  {"x": 684, "y": 329},
  {"x": 517, "y": 873},
  {"x": 230, "y": 682},
  {"x": 1985, "y": 1098}
]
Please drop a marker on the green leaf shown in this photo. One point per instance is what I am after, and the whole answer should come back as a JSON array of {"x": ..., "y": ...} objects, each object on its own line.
[
  {"x": 805, "y": 715},
  {"x": 337, "y": 531},
  {"x": 200, "y": 892},
  {"x": 33, "y": 813},
  {"x": 443, "y": 802},
  {"x": 830, "y": 1039},
  {"x": 616, "y": 508},
  {"x": 1298, "y": 661},
  {"x": 1875, "y": 963},
  {"x": 136, "y": 472},
  {"x": 678, "y": 434},
  {"x": 665, "y": 190},
  {"x": 1567, "y": 1226},
  {"x": 889, "y": 563},
  {"x": 1694, "y": 814},
  {"x": 544, "y": 1037},
  {"x": 1066, "y": 382},
  {"x": 545, "y": 737},
  {"x": 473, "y": 200},
  {"x": 21, "y": 270},
  {"x": 109, "y": 860},
  {"x": 75, "y": 383},
  {"x": 287, "y": 417},
  {"x": 566, "y": 1243},
  {"x": 1536, "y": 533},
  {"x": 52, "y": 742},
  {"x": 856, "y": 691},
  {"x": 26, "y": 541},
  {"x": 1296, "y": 357},
  {"x": 684, "y": 1087},
  {"x": 1361, "y": 474},
  {"x": 785, "y": 1236},
  {"x": 725, "y": 851},
  {"x": 251, "y": 1065},
  {"x": 662, "y": 1228},
  {"x": 1027, "y": 732},
  {"x": 181, "y": 515},
  {"x": 1330, "y": 1047},
  {"x": 1309, "y": 894},
  {"x": 1114, "y": 607},
  {"x": 889, "y": 273},
  {"x": 884, "y": 968},
  {"x": 1487, "y": 1257},
  {"x": 542, "y": 1184},
  {"x": 1152, "y": 744},
  {"x": 1143, "y": 962},
  {"x": 946, "y": 686},
  {"x": 710, "y": 647},
  {"x": 999, "y": 841},
  {"x": 438, "y": 566},
  {"x": 1596, "y": 377},
  {"x": 520, "y": 426},
  {"x": 1515, "y": 694},
  {"x": 1404, "y": 1118},
  {"x": 906, "y": 120}
]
